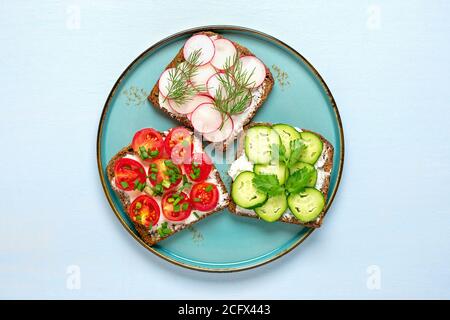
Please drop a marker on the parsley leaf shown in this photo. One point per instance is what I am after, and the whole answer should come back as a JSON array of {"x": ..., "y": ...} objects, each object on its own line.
[
  {"x": 279, "y": 152},
  {"x": 297, "y": 147},
  {"x": 299, "y": 180},
  {"x": 268, "y": 184}
]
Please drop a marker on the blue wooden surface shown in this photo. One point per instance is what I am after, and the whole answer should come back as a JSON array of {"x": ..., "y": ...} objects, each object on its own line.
[{"x": 386, "y": 63}]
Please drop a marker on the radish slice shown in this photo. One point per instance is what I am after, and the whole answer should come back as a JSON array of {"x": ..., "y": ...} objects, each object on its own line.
[
  {"x": 202, "y": 75},
  {"x": 202, "y": 43},
  {"x": 225, "y": 52},
  {"x": 214, "y": 85},
  {"x": 206, "y": 118},
  {"x": 191, "y": 104},
  {"x": 164, "y": 81},
  {"x": 221, "y": 134},
  {"x": 252, "y": 65},
  {"x": 164, "y": 103}
]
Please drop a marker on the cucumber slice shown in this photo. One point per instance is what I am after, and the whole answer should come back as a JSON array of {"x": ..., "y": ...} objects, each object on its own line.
[
  {"x": 301, "y": 165},
  {"x": 276, "y": 169},
  {"x": 287, "y": 134},
  {"x": 244, "y": 193},
  {"x": 313, "y": 148},
  {"x": 306, "y": 205},
  {"x": 258, "y": 144},
  {"x": 273, "y": 209}
]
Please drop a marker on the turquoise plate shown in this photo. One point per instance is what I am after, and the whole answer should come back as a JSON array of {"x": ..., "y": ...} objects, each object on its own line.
[{"x": 222, "y": 242}]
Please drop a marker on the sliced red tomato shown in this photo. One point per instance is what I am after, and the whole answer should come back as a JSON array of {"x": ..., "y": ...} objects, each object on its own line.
[
  {"x": 176, "y": 206},
  {"x": 148, "y": 144},
  {"x": 144, "y": 210},
  {"x": 199, "y": 168},
  {"x": 204, "y": 196},
  {"x": 178, "y": 145},
  {"x": 129, "y": 174},
  {"x": 165, "y": 173}
]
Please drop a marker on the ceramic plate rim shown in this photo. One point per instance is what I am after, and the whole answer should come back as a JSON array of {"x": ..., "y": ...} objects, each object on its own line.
[{"x": 167, "y": 40}]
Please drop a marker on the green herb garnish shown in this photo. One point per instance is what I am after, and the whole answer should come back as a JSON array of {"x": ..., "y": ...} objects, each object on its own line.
[
  {"x": 208, "y": 188},
  {"x": 297, "y": 147},
  {"x": 124, "y": 184},
  {"x": 197, "y": 200},
  {"x": 165, "y": 183},
  {"x": 180, "y": 89},
  {"x": 158, "y": 189},
  {"x": 268, "y": 183},
  {"x": 234, "y": 95},
  {"x": 185, "y": 206},
  {"x": 154, "y": 153},
  {"x": 299, "y": 180}
]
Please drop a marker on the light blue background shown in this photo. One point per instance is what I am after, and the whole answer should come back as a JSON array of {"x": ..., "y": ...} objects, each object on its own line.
[{"x": 387, "y": 64}]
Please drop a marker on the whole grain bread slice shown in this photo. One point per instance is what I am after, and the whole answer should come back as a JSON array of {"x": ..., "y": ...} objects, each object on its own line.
[
  {"x": 242, "y": 51},
  {"x": 327, "y": 166},
  {"x": 153, "y": 237}
]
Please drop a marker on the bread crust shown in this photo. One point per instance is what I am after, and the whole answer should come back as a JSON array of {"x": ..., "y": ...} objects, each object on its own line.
[
  {"x": 328, "y": 151},
  {"x": 155, "y": 237},
  {"x": 242, "y": 51}
]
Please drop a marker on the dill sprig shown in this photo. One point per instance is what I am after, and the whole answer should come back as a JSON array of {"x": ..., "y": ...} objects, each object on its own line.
[
  {"x": 234, "y": 96},
  {"x": 179, "y": 89}
]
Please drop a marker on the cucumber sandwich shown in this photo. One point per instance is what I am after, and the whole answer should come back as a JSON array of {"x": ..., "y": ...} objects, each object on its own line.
[{"x": 281, "y": 173}]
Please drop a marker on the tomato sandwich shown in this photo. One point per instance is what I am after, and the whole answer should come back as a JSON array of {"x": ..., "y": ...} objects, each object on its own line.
[{"x": 166, "y": 182}]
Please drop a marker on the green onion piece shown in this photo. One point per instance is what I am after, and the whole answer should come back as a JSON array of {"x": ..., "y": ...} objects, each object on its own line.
[
  {"x": 197, "y": 200},
  {"x": 209, "y": 188},
  {"x": 124, "y": 184},
  {"x": 184, "y": 206},
  {"x": 165, "y": 183},
  {"x": 138, "y": 205},
  {"x": 154, "y": 153},
  {"x": 185, "y": 143}
]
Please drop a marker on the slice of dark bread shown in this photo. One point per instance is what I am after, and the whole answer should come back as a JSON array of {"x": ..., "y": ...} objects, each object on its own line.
[
  {"x": 153, "y": 237},
  {"x": 327, "y": 155},
  {"x": 242, "y": 51}
]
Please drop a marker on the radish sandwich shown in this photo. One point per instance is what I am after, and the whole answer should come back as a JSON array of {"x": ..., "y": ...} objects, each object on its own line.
[{"x": 213, "y": 86}]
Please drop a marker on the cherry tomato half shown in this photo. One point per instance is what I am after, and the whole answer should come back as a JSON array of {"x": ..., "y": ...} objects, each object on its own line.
[
  {"x": 127, "y": 172},
  {"x": 199, "y": 168},
  {"x": 144, "y": 210},
  {"x": 178, "y": 145},
  {"x": 176, "y": 206},
  {"x": 163, "y": 171},
  {"x": 204, "y": 196},
  {"x": 148, "y": 144}
]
